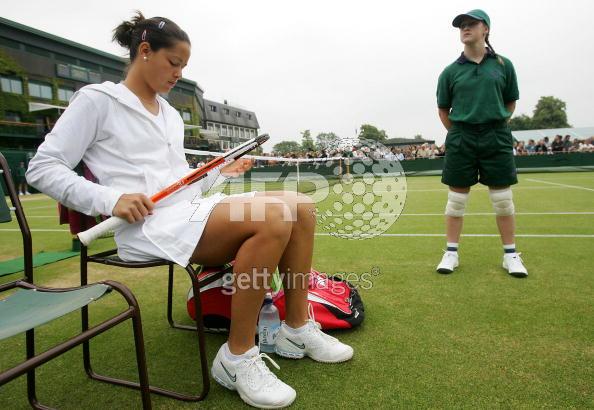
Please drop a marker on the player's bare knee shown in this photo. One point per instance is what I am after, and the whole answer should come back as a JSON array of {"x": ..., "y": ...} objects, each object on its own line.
[
  {"x": 306, "y": 212},
  {"x": 277, "y": 224},
  {"x": 502, "y": 201},
  {"x": 456, "y": 205}
]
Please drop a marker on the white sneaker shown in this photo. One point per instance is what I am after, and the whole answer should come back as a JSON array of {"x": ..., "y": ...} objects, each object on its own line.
[
  {"x": 448, "y": 263},
  {"x": 514, "y": 265},
  {"x": 312, "y": 342},
  {"x": 27, "y": 193},
  {"x": 255, "y": 383}
]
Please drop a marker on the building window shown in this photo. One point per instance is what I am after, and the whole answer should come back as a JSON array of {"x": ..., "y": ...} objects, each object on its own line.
[
  {"x": 40, "y": 90},
  {"x": 236, "y": 132},
  {"x": 11, "y": 85},
  {"x": 94, "y": 77},
  {"x": 237, "y": 114},
  {"x": 242, "y": 133},
  {"x": 249, "y": 116},
  {"x": 218, "y": 129},
  {"x": 223, "y": 130},
  {"x": 213, "y": 108},
  {"x": 112, "y": 71},
  {"x": 65, "y": 94},
  {"x": 210, "y": 126},
  {"x": 12, "y": 116},
  {"x": 79, "y": 73},
  {"x": 186, "y": 115},
  {"x": 226, "y": 111}
]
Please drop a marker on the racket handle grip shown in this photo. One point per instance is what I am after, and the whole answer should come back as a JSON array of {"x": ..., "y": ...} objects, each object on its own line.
[{"x": 100, "y": 229}]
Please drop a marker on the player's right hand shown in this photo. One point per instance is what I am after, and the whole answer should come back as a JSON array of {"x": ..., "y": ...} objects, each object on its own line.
[{"x": 133, "y": 207}]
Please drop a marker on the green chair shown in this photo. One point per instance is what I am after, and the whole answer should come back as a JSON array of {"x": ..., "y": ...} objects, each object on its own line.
[{"x": 28, "y": 306}]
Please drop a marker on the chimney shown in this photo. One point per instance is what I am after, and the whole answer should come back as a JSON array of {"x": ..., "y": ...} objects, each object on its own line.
[{"x": 225, "y": 102}]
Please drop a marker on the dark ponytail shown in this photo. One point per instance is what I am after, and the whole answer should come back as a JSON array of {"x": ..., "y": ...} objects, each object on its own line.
[
  {"x": 492, "y": 50},
  {"x": 159, "y": 32}
]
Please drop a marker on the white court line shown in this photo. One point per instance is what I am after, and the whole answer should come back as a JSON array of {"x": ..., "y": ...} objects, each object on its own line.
[
  {"x": 479, "y": 235},
  {"x": 35, "y": 230},
  {"x": 480, "y": 214},
  {"x": 563, "y": 185},
  {"x": 421, "y": 235},
  {"x": 34, "y": 197},
  {"x": 514, "y": 188}
]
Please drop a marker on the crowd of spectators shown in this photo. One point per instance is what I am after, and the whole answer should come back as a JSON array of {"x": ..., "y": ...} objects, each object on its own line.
[
  {"x": 401, "y": 153},
  {"x": 544, "y": 146},
  {"x": 559, "y": 144}
]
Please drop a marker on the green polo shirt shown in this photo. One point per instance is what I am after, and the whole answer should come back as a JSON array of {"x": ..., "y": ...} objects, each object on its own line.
[{"x": 477, "y": 93}]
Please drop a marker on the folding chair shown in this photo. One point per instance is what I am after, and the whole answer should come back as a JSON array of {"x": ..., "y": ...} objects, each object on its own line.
[
  {"x": 198, "y": 281},
  {"x": 30, "y": 306}
]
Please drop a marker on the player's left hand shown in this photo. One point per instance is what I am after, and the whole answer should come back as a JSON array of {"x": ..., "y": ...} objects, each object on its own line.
[{"x": 237, "y": 167}]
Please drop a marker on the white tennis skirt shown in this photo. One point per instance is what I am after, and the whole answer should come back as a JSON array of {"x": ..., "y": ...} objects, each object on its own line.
[{"x": 172, "y": 232}]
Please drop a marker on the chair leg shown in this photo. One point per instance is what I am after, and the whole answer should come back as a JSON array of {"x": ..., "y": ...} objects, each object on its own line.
[
  {"x": 154, "y": 389},
  {"x": 200, "y": 329},
  {"x": 31, "y": 389},
  {"x": 132, "y": 313},
  {"x": 140, "y": 352},
  {"x": 170, "y": 319}
]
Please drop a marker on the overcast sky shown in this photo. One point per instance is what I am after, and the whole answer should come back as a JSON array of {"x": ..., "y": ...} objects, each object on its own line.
[{"x": 330, "y": 66}]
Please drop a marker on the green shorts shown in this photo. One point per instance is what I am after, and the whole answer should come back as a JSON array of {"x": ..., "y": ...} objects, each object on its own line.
[{"x": 479, "y": 153}]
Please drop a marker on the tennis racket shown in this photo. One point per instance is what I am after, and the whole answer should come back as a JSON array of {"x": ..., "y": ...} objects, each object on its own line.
[{"x": 115, "y": 222}]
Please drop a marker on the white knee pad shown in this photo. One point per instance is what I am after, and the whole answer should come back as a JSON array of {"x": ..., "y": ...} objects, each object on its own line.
[
  {"x": 502, "y": 201},
  {"x": 456, "y": 204}
]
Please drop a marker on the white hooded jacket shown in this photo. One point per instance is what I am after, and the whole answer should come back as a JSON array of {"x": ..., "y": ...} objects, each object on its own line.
[{"x": 108, "y": 128}]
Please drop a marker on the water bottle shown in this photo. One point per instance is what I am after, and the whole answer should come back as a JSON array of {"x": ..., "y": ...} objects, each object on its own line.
[{"x": 268, "y": 325}]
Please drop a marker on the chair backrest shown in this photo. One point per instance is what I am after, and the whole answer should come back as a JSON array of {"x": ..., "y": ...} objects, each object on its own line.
[{"x": 20, "y": 216}]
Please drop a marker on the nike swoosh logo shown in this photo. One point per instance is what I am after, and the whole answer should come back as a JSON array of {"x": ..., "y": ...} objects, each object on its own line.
[
  {"x": 233, "y": 378},
  {"x": 301, "y": 346}
]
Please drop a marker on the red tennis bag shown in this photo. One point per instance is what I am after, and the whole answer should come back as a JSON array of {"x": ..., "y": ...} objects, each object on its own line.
[{"x": 336, "y": 303}]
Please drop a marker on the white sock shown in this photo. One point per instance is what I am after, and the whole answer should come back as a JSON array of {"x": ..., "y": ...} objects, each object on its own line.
[
  {"x": 296, "y": 331},
  {"x": 452, "y": 246},
  {"x": 237, "y": 357}
]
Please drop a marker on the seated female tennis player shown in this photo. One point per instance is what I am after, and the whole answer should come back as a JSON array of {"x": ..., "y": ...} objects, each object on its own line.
[{"x": 132, "y": 140}]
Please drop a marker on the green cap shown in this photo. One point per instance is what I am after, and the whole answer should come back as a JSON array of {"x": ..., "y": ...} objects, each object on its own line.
[{"x": 476, "y": 14}]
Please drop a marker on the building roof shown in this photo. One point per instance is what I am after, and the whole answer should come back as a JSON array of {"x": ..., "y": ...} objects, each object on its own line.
[
  {"x": 119, "y": 62},
  {"x": 221, "y": 116},
  {"x": 58, "y": 39},
  {"x": 580, "y": 132},
  {"x": 407, "y": 141}
]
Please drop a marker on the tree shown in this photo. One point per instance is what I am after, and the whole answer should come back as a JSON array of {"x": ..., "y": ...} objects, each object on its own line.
[
  {"x": 550, "y": 113},
  {"x": 522, "y": 122},
  {"x": 325, "y": 140},
  {"x": 370, "y": 132},
  {"x": 307, "y": 143},
  {"x": 286, "y": 147}
]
